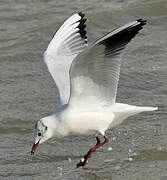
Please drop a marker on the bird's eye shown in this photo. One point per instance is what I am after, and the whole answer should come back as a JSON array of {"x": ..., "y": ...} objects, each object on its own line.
[
  {"x": 46, "y": 128},
  {"x": 39, "y": 134}
]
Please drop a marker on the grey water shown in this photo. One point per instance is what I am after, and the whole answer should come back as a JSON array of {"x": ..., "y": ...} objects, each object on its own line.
[{"x": 137, "y": 148}]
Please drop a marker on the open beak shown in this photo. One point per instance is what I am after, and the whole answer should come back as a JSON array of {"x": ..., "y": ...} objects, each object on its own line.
[{"x": 34, "y": 147}]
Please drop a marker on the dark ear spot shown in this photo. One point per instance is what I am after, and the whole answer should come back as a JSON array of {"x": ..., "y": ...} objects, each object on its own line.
[{"x": 35, "y": 125}]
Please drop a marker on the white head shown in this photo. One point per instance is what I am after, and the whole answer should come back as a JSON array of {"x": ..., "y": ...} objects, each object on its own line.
[{"x": 43, "y": 130}]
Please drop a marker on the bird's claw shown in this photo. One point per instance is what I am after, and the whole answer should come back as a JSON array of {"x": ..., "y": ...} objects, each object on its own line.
[{"x": 82, "y": 163}]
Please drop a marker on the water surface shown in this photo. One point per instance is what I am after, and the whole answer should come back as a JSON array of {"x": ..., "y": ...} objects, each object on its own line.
[{"x": 138, "y": 147}]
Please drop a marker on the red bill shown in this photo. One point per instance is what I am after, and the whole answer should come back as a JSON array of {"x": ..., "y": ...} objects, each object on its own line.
[{"x": 34, "y": 147}]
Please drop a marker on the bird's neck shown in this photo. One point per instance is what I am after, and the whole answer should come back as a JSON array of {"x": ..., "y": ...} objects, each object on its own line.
[{"x": 57, "y": 128}]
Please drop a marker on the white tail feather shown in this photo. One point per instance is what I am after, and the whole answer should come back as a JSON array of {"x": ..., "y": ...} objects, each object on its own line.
[{"x": 148, "y": 108}]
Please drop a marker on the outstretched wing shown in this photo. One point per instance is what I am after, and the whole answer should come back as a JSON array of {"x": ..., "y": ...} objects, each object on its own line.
[
  {"x": 66, "y": 44},
  {"x": 95, "y": 72}
]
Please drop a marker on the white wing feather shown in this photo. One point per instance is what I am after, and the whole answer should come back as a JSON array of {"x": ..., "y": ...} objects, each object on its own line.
[{"x": 66, "y": 44}]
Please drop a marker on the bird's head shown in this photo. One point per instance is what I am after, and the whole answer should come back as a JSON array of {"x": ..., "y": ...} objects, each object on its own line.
[{"x": 42, "y": 131}]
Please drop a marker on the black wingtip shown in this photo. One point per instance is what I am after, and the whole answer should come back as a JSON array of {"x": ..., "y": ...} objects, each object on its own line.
[
  {"x": 142, "y": 22},
  {"x": 81, "y": 14},
  {"x": 82, "y": 26},
  {"x": 118, "y": 41}
]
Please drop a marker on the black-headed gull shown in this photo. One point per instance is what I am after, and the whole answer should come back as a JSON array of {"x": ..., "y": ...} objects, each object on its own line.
[{"x": 87, "y": 79}]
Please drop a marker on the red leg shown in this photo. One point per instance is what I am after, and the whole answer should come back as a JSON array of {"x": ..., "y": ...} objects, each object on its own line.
[{"x": 84, "y": 160}]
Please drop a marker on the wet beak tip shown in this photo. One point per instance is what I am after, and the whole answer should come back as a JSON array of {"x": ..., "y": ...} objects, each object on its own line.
[{"x": 34, "y": 148}]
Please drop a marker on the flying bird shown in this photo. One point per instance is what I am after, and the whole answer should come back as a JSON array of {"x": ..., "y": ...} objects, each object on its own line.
[{"x": 87, "y": 80}]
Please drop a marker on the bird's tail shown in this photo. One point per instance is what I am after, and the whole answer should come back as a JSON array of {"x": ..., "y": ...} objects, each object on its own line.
[
  {"x": 124, "y": 110},
  {"x": 142, "y": 109}
]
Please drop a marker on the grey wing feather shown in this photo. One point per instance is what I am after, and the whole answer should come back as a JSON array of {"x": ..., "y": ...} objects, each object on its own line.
[{"x": 95, "y": 72}]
